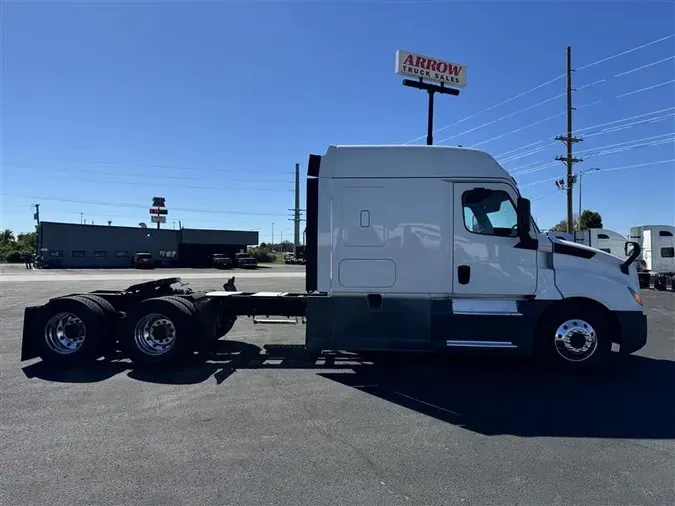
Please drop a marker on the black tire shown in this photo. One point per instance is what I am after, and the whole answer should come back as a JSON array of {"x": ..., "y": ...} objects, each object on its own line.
[
  {"x": 588, "y": 329},
  {"x": 108, "y": 340},
  {"x": 172, "y": 345},
  {"x": 183, "y": 302},
  {"x": 106, "y": 306},
  {"x": 73, "y": 331}
]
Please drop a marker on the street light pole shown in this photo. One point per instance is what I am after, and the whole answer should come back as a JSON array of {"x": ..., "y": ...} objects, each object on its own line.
[
  {"x": 593, "y": 169},
  {"x": 581, "y": 173}
]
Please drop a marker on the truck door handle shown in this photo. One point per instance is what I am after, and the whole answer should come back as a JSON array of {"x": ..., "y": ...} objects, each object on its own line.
[{"x": 463, "y": 274}]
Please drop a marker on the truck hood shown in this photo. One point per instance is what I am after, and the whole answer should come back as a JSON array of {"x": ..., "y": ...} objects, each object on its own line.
[
  {"x": 583, "y": 251},
  {"x": 579, "y": 256}
]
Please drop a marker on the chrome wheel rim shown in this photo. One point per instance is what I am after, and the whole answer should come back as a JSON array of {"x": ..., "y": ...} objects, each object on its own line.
[
  {"x": 65, "y": 333},
  {"x": 576, "y": 340},
  {"x": 154, "y": 334}
]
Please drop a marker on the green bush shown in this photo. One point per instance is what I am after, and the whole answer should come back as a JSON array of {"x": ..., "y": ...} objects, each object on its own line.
[
  {"x": 262, "y": 254},
  {"x": 14, "y": 257}
]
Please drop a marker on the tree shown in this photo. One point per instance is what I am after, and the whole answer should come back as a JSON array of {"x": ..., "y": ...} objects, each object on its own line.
[
  {"x": 590, "y": 219},
  {"x": 559, "y": 227},
  {"x": 6, "y": 236},
  {"x": 12, "y": 248},
  {"x": 562, "y": 225}
]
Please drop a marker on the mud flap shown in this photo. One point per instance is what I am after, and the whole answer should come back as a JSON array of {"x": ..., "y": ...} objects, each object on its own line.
[{"x": 29, "y": 345}]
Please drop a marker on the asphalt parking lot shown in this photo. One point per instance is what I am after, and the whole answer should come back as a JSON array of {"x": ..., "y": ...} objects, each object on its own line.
[{"x": 263, "y": 426}]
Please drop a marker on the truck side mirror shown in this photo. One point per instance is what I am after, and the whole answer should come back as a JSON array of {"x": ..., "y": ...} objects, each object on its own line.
[{"x": 524, "y": 219}]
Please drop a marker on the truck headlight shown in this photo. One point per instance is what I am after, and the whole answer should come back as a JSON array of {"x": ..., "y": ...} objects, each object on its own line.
[{"x": 635, "y": 295}]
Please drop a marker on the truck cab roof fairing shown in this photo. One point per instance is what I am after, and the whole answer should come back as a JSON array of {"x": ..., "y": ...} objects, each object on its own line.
[{"x": 410, "y": 161}]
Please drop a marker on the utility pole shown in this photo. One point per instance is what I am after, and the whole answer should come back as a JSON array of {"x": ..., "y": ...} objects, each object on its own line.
[
  {"x": 296, "y": 214},
  {"x": 569, "y": 141},
  {"x": 36, "y": 217}
]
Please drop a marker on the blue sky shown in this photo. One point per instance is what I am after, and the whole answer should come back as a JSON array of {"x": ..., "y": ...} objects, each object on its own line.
[{"x": 211, "y": 104}]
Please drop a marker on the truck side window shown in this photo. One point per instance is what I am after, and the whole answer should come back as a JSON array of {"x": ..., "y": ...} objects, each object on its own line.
[
  {"x": 489, "y": 212},
  {"x": 668, "y": 252}
]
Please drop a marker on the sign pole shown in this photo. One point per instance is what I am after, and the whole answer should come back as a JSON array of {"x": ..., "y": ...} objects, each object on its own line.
[
  {"x": 433, "y": 70},
  {"x": 431, "y": 89},
  {"x": 430, "y": 119},
  {"x": 158, "y": 211}
]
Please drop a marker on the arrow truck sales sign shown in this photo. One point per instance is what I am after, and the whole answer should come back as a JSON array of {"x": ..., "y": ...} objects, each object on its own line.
[{"x": 431, "y": 69}]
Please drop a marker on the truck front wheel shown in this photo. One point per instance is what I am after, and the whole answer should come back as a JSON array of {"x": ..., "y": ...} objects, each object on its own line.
[{"x": 575, "y": 336}]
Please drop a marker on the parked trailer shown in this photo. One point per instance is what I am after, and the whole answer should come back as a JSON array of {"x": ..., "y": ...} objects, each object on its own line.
[
  {"x": 657, "y": 269},
  {"x": 408, "y": 248}
]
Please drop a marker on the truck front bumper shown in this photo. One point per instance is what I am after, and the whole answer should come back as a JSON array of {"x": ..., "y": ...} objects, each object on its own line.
[{"x": 632, "y": 329}]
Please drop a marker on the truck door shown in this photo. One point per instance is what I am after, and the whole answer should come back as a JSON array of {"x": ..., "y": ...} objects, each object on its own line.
[{"x": 486, "y": 261}]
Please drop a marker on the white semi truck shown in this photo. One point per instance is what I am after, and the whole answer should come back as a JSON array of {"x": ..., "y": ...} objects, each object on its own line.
[{"x": 409, "y": 248}]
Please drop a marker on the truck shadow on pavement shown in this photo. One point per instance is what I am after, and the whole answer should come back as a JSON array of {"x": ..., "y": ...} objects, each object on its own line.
[{"x": 489, "y": 396}]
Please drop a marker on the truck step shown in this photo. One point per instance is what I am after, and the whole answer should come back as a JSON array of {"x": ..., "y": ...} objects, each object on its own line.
[{"x": 291, "y": 320}]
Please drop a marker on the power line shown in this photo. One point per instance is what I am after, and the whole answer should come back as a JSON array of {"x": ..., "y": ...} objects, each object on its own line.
[
  {"x": 632, "y": 141},
  {"x": 643, "y": 67},
  {"x": 622, "y": 53},
  {"x": 563, "y": 94},
  {"x": 518, "y": 149},
  {"x": 618, "y": 148},
  {"x": 603, "y": 170},
  {"x": 610, "y": 152},
  {"x": 529, "y": 125},
  {"x": 637, "y": 116},
  {"x": 612, "y": 169},
  {"x": 577, "y": 108},
  {"x": 545, "y": 83},
  {"x": 540, "y": 148},
  {"x": 147, "y": 176},
  {"x": 502, "y": 118},
  {"x": 645, "y": 88},
  {"x": 617, "y": 128},
  {"x": 182, "y": 186},
  {"x": 602, "y": 132},
  {"x": 621, "y": 74},
  {"x": 547, "y": 194},
  {"x": 527, "y": 153},
  {"x": 165, "y": 166},
  {"x": 104, "y": 216},
  {"x": 518, "y": 129},
  {"x": 614, "y": 122},
  {"x": 140, "y": 206}
]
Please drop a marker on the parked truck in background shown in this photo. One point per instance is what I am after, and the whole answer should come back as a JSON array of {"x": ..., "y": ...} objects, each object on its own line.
[
  {"x": 603, "y": 239},
  {"x": 658, "y": 255},
  {"x": 409, "y": 249}
]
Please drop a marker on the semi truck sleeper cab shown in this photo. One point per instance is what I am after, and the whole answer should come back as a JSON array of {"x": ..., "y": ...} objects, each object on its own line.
[{"x": 409, "y": 248}]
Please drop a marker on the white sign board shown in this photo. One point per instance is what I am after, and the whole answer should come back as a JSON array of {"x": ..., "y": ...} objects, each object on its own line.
[
  {"x": 158, "y": 219},
  {"x": 430, "y": 69}
]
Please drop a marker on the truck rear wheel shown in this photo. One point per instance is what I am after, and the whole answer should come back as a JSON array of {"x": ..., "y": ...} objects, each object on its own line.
[
  {"x": 575, "y": 336},
  {"x": 159, "y": 332},
  {"x": 74, "y": 329},
  {"x": 107, "y": 341}
]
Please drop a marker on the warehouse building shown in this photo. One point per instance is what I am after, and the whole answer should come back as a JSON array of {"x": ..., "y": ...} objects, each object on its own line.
[{"x": 73, "y": 245}]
